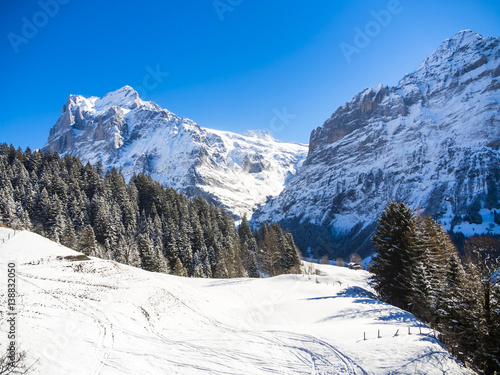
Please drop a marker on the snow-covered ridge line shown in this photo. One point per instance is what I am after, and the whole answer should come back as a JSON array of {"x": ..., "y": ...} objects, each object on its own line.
[{"x": 237, "y": 171}]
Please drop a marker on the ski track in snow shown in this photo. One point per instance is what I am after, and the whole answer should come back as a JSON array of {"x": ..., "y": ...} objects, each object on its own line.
[
  {"x": 130, "y": 321},
  {"x": 105, "y": 340},
  {"x": 320, "y": 357},
  {"x": 314, "y": 356}
]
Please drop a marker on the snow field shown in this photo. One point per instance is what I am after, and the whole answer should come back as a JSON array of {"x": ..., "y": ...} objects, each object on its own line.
[{"x": 99, "y": 317}]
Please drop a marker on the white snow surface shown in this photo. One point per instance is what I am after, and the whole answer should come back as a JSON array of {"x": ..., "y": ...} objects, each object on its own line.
[{"x": 100, "y": 317}]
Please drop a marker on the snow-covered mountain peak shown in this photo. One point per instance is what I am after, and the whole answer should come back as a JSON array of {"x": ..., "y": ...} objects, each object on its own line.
[
  {"x": 120, "y": 130},
  {"x": 463, "y": 43},
  {"x": 431, "y": 141},
  {"x": 459, "y": 58},
  {"x": 84, "y": 103},
  {"x": 460, "y": 40},
  {"x": 126, "y": 97}
]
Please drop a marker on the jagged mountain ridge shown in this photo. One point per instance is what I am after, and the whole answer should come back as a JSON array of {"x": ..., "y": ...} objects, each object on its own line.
[
  {"x": 120, "y": 130},
  {"x": 431, "y": 141}
]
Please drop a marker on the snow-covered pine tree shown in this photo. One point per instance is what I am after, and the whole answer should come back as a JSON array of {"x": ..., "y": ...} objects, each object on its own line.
[
  {"x": 102, "y": 217},
  {"x": 291, "y": 254},
  {"x": 248, "y": 248},
  {"x": 29, "y": 198},
  {"x": 179, "y": 269},
  {"x": 77, "y": 204},
  {"x": 147, "y": 254},
  {"x": 87, "y": 242},
  {"x": 198, "y": 245},
  {"x": 68, "y": 236},
  {"x": 482, "y": 318},
  {"x": 184, "y": 246},
  {"x": 22, "y": 217},
  {"x": 223, "y": 265},
  {"x": 55, "y": 223},
  {"x": 171, "y": 252},
  {"x": 114, "y": 226},
  {"x": 7, "y": 205},
  {"x": 453, "y": 304},
  {"x": 421, "y": 288},
  {"x": 270, "y": 254},
  {"x": 437, "y": 249},
  {"x": 395, "y": 242}
]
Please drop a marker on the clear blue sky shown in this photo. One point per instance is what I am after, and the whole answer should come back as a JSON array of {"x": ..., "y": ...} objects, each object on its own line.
[{"x": 232, "y": 64}]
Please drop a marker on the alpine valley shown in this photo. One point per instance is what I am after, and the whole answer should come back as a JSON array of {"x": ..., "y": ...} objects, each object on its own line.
[
  {"x": 431, "y": 141},
  {"x": 214, "y": 298}
]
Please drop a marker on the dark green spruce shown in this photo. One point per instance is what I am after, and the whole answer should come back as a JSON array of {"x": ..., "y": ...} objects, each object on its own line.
[{"x": 418, "y": 268}]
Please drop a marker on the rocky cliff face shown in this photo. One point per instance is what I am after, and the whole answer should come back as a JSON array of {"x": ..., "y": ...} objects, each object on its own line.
[
  {"x": 120, "y": 130},
  {"x": 431, "y": 141}
]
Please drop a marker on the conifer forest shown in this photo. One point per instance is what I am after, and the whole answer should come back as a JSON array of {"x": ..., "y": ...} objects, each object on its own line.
[{"x": 140, "y": 223}]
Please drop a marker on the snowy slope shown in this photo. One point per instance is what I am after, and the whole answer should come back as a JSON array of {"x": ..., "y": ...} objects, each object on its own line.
[
  {"x": 432, "y": 141},
  {"x": 99, "y": 317},
  {"x": 237, "y": 171}
]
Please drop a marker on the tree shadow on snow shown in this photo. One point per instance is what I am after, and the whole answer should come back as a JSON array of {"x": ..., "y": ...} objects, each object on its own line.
[
  {"x": 353, "y": 292},
  {"x": 399, "y": 316},
  {"x": 433, "y": 359}
]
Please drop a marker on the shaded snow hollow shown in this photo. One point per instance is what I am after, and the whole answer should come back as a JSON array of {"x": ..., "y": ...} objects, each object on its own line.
[{"x": 100, "y": 317}]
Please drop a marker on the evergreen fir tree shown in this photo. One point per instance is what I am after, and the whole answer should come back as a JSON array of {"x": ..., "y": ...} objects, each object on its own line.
[
  {"x": 437, "y": 249},
  {"x": 481, "y": 340},
  {"x": 55, "y": 223},
  {"x": 87, "y": 243},
  {"x": 421, "y": 288},
  {"x": 184, "y": 246},
  {"x": 179, "y": 269},
  {"x": 223, "y": 266},
  {"x": 270, "y": 255},
  {"x": 7, "y": 208},
  {"x": 171, "y": 252},
  {"x": 148, "y": 256},
  {"x": 248, "y": 248},
  {"x": 453, "y": 303},
  {"x": 23, "y": 220},
  {"x": 395, "y": 241},
  {"x": 290, "y": 256},
  {"x": 68, "y": 236}
]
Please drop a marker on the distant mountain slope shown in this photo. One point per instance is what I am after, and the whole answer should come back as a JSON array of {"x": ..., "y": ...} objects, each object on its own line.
[
  {"x": 91, "y": 316},
  {"x": 431, "y": 141},
  {"x": 237, "y": 171}
]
